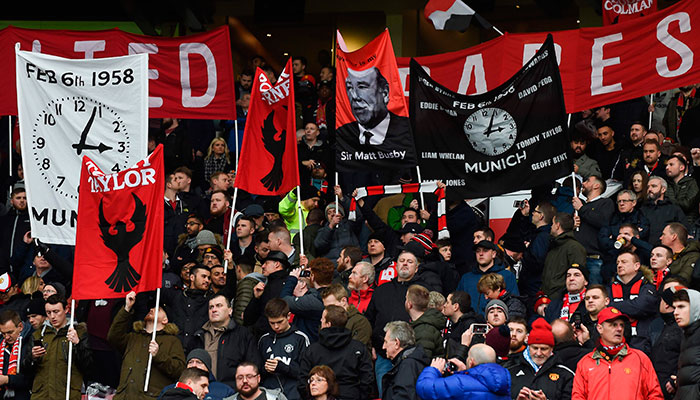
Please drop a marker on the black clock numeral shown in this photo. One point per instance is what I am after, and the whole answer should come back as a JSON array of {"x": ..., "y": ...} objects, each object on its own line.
[
  {"x": 115, "y": 168},
  {"x": 49, "y": 119},
  {"x": 45, "y": 164},
  {"x": 512, "y": 125},
  {"x": 116, "y": 126},
  {"x": 469, "y": 126},
  {"x": 484, "y": 113},
  {"x": 59, "y": 109},
  {"x": 79, "y": 106},
  {"x": 122, "y": 147},
  {"x": 61, "y": 179},
  {"x": 40, "y": 142}
]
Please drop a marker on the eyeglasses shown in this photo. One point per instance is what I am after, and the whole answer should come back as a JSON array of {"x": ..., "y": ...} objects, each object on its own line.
[
  {"x": 316, "y": 380},
  {"x": 537, "y": 211},
  {"x": 242, "y": 378},
  {"x": 623, "y": 201},
  {"x": 192, "y": 223}
]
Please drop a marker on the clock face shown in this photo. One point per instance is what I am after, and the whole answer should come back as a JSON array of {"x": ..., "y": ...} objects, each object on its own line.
[
  {"x": 74, "y": 126},
  {"x": 491, "y": 131}
]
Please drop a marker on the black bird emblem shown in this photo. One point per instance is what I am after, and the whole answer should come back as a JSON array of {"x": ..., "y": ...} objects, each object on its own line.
[
  {"x": 124, "y": 277},
  {"x": 274, "y": 143}
]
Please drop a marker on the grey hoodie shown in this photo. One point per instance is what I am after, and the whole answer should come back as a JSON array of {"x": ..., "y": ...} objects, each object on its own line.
[{"x": 694, "y": 296}]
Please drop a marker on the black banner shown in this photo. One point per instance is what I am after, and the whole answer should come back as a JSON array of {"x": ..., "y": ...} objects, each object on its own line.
[{"x": 508, "y": 139}]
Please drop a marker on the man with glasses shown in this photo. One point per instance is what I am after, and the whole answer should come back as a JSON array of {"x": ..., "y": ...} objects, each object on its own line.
[
  {"x": 14, "y": 383},
  {"x": 530, "y": 279},
  {"x": 248, "y": 385},
  {"x": 186, "y": 249}
]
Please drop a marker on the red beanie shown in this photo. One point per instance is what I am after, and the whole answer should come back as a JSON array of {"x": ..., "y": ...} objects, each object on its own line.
[
  {"x": 541, "y": 333},
  {"x": 541, "y": 299}
]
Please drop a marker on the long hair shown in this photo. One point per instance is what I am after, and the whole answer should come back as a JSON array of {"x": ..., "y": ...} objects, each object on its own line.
[
  {"x": 642, "y": 196},
  {"x": 210, "y": 152},
  {"x": 326, "y": 372}
]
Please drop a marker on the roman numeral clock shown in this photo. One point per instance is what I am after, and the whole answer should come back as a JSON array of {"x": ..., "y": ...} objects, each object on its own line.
[{"x": 70, "y": 127}]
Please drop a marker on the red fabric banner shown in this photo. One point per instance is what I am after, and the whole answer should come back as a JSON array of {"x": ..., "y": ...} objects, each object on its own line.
[
  {"x": 268, "y": 163},
  {"x": 598, "y": 66},
  {"x": 119, "y": 240},
  {"x": 615, "y": 11},
  {"x": 190, "y": 76}
]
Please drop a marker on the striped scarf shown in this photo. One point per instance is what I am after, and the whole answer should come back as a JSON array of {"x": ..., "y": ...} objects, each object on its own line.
[
  {"x": 14, "y": 356},
  {"x": 425, "y": 187}
]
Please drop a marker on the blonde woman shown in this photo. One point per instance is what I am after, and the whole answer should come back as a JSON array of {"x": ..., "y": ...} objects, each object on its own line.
[{"x": 217, "y": 159}]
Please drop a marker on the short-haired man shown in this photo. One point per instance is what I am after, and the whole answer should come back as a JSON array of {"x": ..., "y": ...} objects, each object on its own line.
[
  {"x": 186, "y": 249},
  {"x": 685, "y": 252},
  {"x": 243, "y": 247},
  {"x": 682, "y": 187},
  {"x": 518, "y": 335},
  {"x": 661, "y": 259},
  {"x": 14, "y": 224},
  {"x": 614, "y": 367},
  {"x": 537, "y": 373},
  {"x": 281, "y": 350},
  {"x": 280, "y": 239},
  {"x": 248, "y": 385},
  {"x": 633, "y": 295},
  {"x": 566, "y": 305},
  {"x": 487, "y": 262},
  {"x": 14, "y": 347},
  {"x": 569, "y": 350},
  {"x": 606, "y": 150},
  {"x": 49, "y": 363},
  {"x": 246, "y": 281},
  {"x": 530, "y": 279},
  {"x": 583, "y": 165},
  {"x": 478, "y": 377},
  {"x": 133, "y": 340},
  {"x": 193, "y": 197},
  {"x": 193, "y": 383},
  {"x": 460, "y": 316},
  {"x": 220, "y": 212},
  {"x": 303, "y": 295},
  {"x": 199, "y": 358},
  {"x": 347, "y": 259},
  {"x": 595, "y": 300},
  {"x": 361, "y": 285},
  {"x": 483, "y": 233},
  {"x": 654, "y": 162},
  {"x": 349, "y": 358},
  {"x": 659, "y": 210},
  {"x": 408, "y": 359},
  {"x": 191, "y": 304},
  {"x": 564, "y": 251},
  {"x": 426, "y": 322},
  {"x": 593, "y": 215},
  {"x": 336, "y": 295}
]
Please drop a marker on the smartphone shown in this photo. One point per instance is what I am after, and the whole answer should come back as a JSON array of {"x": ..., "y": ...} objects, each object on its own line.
[
  {"x": 576, "y": 320},
  {"x": 480, "y": 329},
  {"x": 305, "y": 273},
  {"x": 38, "y": 343}
]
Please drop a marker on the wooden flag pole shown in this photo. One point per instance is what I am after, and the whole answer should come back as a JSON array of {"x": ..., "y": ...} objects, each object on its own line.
[
  {"x": 422, "y": 199},
  {"x": 153, "y": 339},
  {"x": 230, "y": 225},
  {"x": 70, "y": 348},
  {"x": 651, "y": 101},
  {"x": 336, "y": 194},
  {"x": 301, "y": 223}
]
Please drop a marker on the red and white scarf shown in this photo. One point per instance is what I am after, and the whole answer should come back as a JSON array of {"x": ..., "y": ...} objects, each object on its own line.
[
  {"x": 14, "y": 357},
  {"x": 425, "y": 187},
  {"x": 571, "y": 303}
]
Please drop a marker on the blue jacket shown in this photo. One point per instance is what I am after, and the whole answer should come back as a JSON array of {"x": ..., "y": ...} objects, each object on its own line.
[
  {"x": 470, "y": 279},
  {"x": 483, "y": 382}
]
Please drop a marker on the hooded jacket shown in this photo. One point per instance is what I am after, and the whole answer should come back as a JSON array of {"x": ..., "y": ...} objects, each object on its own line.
[
  {"x": 348, "y": 358},
  {"x": 684, "y": 262},
  {"x": 689, "y": 360},
  {"x": 427, "y": 329},
  {"x": 564, "y": 250},
  {"x": 482, "y": 382},
  {"x": 400, "y": 382},
  {"x": 131, "y": 339},
  {"x": 287, "y": 347}
]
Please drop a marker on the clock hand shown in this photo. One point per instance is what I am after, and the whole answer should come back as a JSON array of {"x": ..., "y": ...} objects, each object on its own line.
[
  {"x": 83, "y": 136},
  {"x": 101, "y": 147},
  {"x": 489, "y": 130}
]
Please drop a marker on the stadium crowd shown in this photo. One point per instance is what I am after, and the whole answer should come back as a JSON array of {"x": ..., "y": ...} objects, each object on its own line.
[{"x": 590, "y": 293}]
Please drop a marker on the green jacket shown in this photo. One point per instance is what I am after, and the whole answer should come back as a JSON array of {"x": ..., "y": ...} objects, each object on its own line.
[
  {"x": 244, "y": 293},
  {"x": 359, "y": 326},
  {"x": 587, "y": 166},
  {"x": 564, "y": 250},
  {"x": 428, "y": 328},
  {"x": 685, "y": 194},
  {"x": 51, "y": 370},
  {"x": 131, "y": 340},
  {"x": 684, "y": 262}
]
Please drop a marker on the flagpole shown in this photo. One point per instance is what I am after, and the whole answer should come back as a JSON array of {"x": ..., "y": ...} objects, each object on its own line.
[
  {"x": 420, "y": 180},
  {"x": 230, "y": 224},
  {"x": 235, "y": 128},
  {"x": 70, "y": 348},
  {"x": 573, "y": 180},
  {"x": 9, "y": 132},
  {"x": 301, "y": 223},
  {"x": 153, "y": 339},
  {"x": 496, "y": 29},
  {"x": 568, "y": 121},
  {"x": 651, "y": 102},
  {"x": 336, "y": 194}
]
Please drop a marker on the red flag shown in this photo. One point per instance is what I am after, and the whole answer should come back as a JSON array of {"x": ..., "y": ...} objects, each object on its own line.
[
  {"x": 119, "y": 240},
  {"x": 615, "y": 11},
  {"x": 268, "y": 164}
]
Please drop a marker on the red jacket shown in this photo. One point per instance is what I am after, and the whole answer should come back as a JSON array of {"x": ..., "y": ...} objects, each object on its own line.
[
  {"x": 628, "y": 376},
  {"x": 360, "y": 299}
]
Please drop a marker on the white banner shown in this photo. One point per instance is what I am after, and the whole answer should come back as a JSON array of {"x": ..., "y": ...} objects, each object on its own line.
[{"x": 69, "y": 108}]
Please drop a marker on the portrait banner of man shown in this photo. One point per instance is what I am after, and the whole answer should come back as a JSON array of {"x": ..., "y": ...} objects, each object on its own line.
[{"x": 372, "y": 124}]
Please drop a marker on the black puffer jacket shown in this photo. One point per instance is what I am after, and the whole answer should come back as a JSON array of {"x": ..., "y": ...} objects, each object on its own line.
[
  {"x": 348, "y": 358},
  {"x": 189, "y": 311},
  {"x": 689, "y": 360},
  {"x": 400, "y": 382}
]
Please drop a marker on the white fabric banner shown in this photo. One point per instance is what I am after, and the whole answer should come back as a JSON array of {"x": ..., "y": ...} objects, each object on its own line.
[{"x": 70, "y": 108}]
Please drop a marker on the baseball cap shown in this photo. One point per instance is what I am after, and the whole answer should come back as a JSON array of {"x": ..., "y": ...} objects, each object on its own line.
[
  {"x": 610, "y": 314},
  {"x": 486, "y": 244},
  {"x": 411, "y": 227},
  {"x": 254, "y": 210}
]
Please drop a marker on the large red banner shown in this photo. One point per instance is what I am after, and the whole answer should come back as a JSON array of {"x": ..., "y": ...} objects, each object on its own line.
[
  {"x": 189, "y": 76},
  {"x": 269, "y": 163},
  {"x": 119, "y": 240},
  {"x": 598, "y": 65}
]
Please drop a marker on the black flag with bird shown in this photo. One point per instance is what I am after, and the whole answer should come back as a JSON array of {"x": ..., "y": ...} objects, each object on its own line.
[{"x": 268, "y": 163}]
